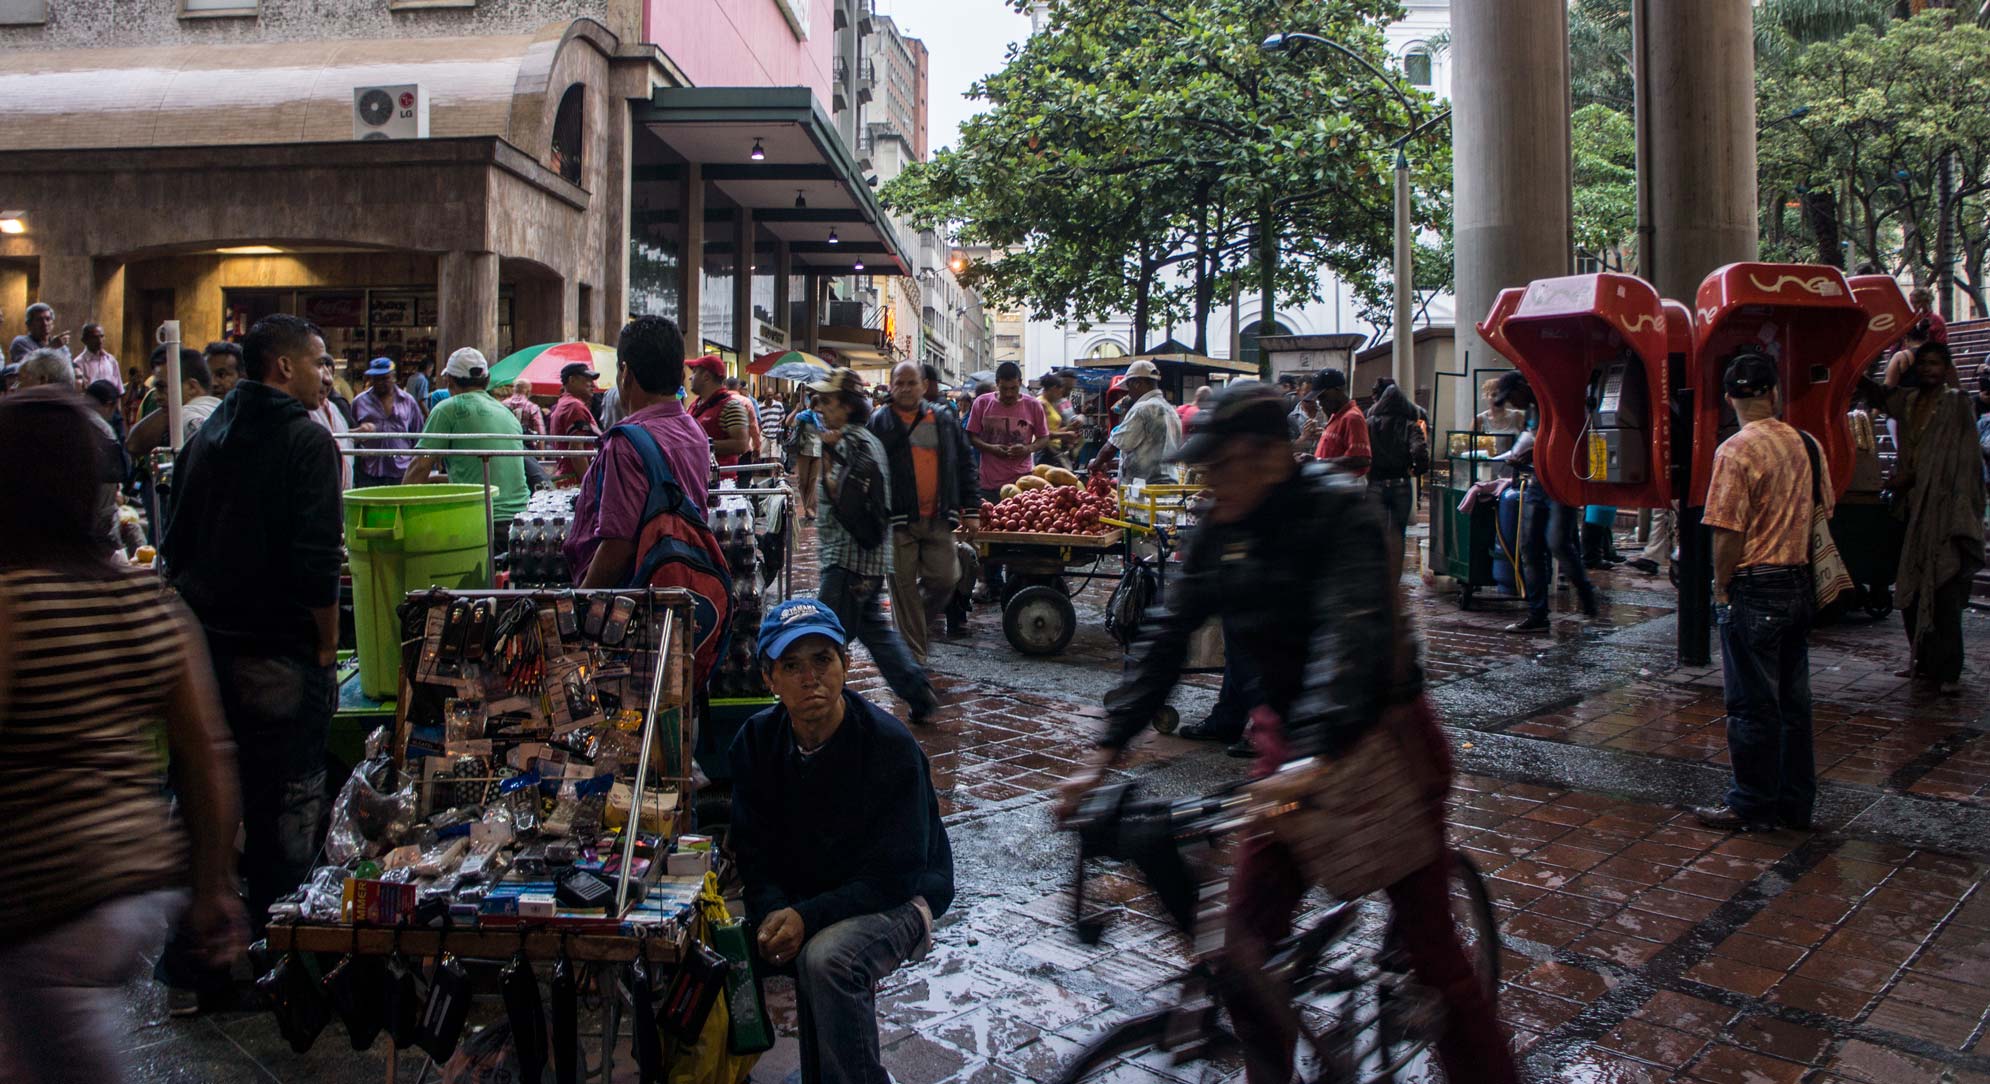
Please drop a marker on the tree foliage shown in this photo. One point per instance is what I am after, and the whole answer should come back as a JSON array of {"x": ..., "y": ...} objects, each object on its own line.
[
  {"x": 1134, "y": 150},
  {"x": 1895, "y": 128}
]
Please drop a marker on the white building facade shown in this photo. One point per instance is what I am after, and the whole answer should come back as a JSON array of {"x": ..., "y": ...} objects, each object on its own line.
[{"x": 1416, "y": 43}]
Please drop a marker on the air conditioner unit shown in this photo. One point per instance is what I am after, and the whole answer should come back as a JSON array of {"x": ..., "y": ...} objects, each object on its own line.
[{"x": 396, "y": 112}]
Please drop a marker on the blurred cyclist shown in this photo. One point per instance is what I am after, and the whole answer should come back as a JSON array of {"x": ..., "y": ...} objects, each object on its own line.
[{"x": 1316, "y": 636}]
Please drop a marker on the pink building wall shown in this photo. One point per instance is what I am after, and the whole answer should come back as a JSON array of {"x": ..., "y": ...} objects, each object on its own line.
[{"x": 744, "y": 43}]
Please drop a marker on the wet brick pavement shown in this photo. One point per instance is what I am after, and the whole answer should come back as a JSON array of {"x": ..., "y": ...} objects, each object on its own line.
[{"x": 1638, "y": 947}]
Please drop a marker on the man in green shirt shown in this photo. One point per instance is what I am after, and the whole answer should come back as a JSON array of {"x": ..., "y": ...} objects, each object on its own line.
[{"x": 470, "y": 409}]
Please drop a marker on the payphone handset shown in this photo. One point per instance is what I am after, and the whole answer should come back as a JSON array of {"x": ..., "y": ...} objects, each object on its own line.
[{"x": 1615, "y": 444}]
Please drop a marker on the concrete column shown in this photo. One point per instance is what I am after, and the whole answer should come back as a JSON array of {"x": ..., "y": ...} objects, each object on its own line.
[
  {"x": 68, "y": 282},
  {"x": 691, "y": 260},
  {"x": 466, "y": 290},
  {"x": 539, "y": 311},
  {"x": 13, "y": 301},
  {"x": 784, "y": 266},
  {"x": 811, "y": 329},
  {"x": 1698, "y": 174},
  {"x": 107, "y": 306},
  {"x": 1511, "y": 168},
  {"x": 1510, "y": 145},
  {"x": 742, "y": 285}
]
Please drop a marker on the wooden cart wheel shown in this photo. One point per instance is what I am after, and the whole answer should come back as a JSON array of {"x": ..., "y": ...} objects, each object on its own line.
[
  {"x": 1039, "y": 620},
  {"x": 1167, "y": 719}
]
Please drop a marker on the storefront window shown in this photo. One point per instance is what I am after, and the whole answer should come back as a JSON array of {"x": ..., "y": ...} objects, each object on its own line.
[{"x": 655, "y": 270}]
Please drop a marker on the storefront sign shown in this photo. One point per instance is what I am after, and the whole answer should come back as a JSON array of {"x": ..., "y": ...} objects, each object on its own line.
[
  {"x": 797, "y": 15},
  {"x": 393, "y": 310},
  {"x": 335, "y": 310}
]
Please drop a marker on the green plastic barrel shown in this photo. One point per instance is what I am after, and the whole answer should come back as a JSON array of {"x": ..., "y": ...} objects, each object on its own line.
[{"x": 401, "y": 539}]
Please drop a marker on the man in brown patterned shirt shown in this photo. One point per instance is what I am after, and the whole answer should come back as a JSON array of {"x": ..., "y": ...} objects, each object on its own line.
[{"x": 1759, "y": 506}]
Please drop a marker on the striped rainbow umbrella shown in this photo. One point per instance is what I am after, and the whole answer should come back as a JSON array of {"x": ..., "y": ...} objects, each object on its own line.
[{"x": 542, "y": 364}]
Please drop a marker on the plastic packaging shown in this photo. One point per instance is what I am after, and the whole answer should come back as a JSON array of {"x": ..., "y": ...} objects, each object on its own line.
[{"x": 366, "y": 819}]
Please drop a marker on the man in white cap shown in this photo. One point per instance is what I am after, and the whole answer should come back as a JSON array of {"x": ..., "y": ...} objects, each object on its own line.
[
  {"x": 1146, "y": 441},
  {"x": 470, "y": 409}
]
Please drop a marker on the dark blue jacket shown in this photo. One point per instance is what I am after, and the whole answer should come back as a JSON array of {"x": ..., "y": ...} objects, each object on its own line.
[{"x": 852, "y": 829}]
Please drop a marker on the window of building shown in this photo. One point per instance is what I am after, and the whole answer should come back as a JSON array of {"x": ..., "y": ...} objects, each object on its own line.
[
  {"x": 1417, "y": 66},
  {"x": 218, "y": 7},
  {"x": 1248, "y": 339},
  {"x": 569, "y": 133},
  {"x": 1108, "y": 349},
  {"x": 23, "y": 12}
]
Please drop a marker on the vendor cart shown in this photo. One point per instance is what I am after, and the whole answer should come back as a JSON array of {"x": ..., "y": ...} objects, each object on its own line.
[
  {"x": 513, "y": 708},
  {"x": 1477, "y": 533},
  {"x": 1037, "y": 615}
]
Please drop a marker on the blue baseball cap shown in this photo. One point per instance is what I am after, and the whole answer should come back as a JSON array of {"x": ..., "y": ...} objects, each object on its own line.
[
  {"x": 380, "y": 367},
  {"x": 794, "y": 619}
]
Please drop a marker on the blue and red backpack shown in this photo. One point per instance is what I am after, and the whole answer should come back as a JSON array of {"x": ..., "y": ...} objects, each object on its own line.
[{"x": 676, "y": 548}]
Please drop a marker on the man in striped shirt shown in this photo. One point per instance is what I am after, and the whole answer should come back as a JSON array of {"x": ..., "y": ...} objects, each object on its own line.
[{"x": 772, "y": 413}]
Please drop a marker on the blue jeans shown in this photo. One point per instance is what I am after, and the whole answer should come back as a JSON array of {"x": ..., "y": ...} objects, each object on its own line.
[
  {"x": 1240, "y": 692},
  {"x": 1765, "y": 673},
  {"x": 1398, "y": 500},
  {"x": 854, "y": 599},
  {"x": 836, "y": 977},
  {"x": 1551, "y": 539}
]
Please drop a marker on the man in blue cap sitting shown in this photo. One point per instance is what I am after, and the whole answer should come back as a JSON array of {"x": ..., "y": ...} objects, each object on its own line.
[{"x": 837, "y": 834}]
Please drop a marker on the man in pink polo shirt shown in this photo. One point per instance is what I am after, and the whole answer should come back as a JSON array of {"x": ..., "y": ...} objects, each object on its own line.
[{"x": 608, "y": 516}]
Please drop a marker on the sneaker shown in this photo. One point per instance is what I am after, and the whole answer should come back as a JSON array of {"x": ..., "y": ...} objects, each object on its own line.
[
  {"x": 182, "y": 1003},
  {"x": 1725, "y": 819},
  {"x": 1207, "y": 730},
  {"x": 1648, "y": 567},
  {"x": 1242, "y": 749},
  {"x": 1531, "y": 624},
  {"x": 1592, "y": 606}
]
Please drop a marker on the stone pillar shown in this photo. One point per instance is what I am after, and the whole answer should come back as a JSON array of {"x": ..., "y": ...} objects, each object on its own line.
[
  {"x": 691, "y": 260},
  {"x": 68, "y": 282},
  {"x": 13, "y": 301},
  {"x": 106, "y": 307},
  {"x": 742, "y": 285},
  {"x": 811, "y": 329},
  {"x": 540, "y": 313},
  {"x": 784, "y": 268},
  {"x": 1511, "y": 169},
  {"x": 1698, "y": 173},
  {"x": 466, "y": 290},
  {"x": 1510, "y": 144}
]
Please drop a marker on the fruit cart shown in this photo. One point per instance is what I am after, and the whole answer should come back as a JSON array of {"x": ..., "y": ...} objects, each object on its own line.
[
  {"x": 1045, "y": 534},
  {"x": 1037, "y": 615}
]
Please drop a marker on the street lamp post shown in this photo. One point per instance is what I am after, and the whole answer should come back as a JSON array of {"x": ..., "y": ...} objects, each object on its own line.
[{"x": 1403, "y": 363}]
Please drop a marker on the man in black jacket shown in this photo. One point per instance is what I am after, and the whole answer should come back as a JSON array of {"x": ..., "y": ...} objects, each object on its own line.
[
  {"x": 253, "y": 544},
  {"x": 838, "y": 837},
  {"x": 933, "y": 494},
  {"x": 1332, "y": 658},
  {"x": 1395, "y": 444}
]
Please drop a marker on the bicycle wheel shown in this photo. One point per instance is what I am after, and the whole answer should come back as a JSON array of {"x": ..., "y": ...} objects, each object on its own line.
[
  {"x": 1472, "y": 916},
  {"x": 1135, "y": 1036}
]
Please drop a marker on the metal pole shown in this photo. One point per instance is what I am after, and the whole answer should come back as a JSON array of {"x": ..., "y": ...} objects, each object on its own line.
[
  {"x": 1405, "y": 356},
  {"x": 169, "y": 337},
  {"x": 634, "y": 827}
]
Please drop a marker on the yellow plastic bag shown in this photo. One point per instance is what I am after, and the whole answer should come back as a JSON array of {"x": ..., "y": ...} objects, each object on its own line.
[{"x": 708, "y": 1061}]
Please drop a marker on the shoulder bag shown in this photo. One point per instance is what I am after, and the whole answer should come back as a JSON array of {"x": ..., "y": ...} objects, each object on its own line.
[{"x": 1829, "y": 577}]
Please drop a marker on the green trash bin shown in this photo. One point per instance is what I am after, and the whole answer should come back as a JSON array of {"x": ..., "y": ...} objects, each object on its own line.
[{"x": 401, "y": 539}]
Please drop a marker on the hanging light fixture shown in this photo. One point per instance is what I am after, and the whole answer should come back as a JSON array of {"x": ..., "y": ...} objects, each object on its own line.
[
  {"x": 859, "y": 265},
  {"x": 801, "y": 201},
  {"x": 759, "y": 153},
  {"x": 833, "y": 239}
]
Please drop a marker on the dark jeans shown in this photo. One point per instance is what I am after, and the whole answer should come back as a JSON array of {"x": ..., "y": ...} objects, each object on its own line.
[
  {"x": 363, "y": 480},
  {"x": 1240, "y": 692},
  {"x": 1551, "y": 539},
  {"x": 1267, "y": 886},
  {"x": 836, "y": 979},
  {"x": 854, "y": 599},
  {"x": 1765, "y": 672},
  {"x": 1939, "y": 654},
  {"x": 1398, "y": 499}
]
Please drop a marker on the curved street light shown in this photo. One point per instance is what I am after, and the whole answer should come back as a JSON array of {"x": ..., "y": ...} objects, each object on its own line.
[{"x": 1402, "y": 363}]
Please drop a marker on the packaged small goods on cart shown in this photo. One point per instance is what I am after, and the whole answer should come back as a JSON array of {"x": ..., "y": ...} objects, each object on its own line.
[{"x": 516, "y": 792}]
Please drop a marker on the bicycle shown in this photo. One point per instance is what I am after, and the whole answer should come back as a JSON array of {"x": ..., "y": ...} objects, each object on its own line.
[{"x": 1379, "y": 1021}]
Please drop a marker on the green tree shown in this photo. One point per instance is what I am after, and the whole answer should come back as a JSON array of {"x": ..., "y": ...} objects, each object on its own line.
[
  {"x": 1895, "y": 127},
  {"x": 1604, "y": 144},
  {"x": 1139, "y": 155}
]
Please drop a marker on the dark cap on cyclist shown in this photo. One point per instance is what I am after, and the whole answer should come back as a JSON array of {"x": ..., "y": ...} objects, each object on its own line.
[{"x": 1242, "y": 409}]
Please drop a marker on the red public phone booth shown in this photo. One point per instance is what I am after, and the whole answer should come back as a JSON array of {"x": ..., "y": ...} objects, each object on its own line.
[
  {"x": 1806, "y": 317},
  {"x": 1888, "y": 315},
  {"x": 1594, "y": 350},
  {"x": 1493, "y": 328}
]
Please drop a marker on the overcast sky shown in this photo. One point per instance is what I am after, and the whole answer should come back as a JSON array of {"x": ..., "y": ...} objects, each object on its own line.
[{"x": 967, "y": 39}]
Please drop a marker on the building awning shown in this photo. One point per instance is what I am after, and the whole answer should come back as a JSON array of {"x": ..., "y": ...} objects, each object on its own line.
[
  {"x": 803, "y": 154},
  {"x": 1164, "y": 361}
]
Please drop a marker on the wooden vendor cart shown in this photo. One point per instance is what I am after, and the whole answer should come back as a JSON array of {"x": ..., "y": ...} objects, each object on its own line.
[{"x": 1037, "y": 615}]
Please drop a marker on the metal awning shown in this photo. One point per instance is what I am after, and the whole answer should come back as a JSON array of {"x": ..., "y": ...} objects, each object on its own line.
[
  {"x": 1164, "y": 361},
  {"x": 718, "y": 127}
]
